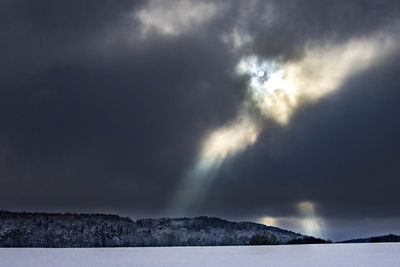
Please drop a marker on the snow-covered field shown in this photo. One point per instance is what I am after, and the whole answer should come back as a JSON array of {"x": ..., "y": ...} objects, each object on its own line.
[{"x": 384, "y": 254}]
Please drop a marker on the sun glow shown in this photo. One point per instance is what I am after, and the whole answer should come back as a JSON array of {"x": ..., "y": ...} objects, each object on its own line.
[
  {"x": 270, "y": 221},
  {"x": 305, "y": 221},
  {"x": 284, "y": 86}
]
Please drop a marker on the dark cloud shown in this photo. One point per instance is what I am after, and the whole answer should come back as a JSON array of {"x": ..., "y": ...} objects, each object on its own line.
[
  {"x": 95, "y": 116},
  {"x": 136, "y": 116}
]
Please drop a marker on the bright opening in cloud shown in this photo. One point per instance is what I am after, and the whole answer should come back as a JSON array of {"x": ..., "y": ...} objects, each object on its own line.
[
  {"x": 174, "y": 17},
  {"x": 279, "y": 88}
]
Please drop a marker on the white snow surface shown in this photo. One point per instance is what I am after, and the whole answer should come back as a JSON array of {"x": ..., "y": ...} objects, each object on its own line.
[{"x": 376, "y": 254}]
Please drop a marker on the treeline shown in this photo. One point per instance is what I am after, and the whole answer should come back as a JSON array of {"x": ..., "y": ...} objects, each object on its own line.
[
  {"x": 375, "y": 239},
  {"x": 99, "y": 230}
]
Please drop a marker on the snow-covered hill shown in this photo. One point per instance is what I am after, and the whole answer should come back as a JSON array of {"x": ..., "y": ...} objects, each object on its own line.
[
  {"x": 375, "y": 239},
  {"x": 98, "y": 230}
]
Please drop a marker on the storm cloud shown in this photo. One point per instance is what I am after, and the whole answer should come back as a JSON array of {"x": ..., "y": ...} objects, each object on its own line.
[{"x": 108, "y": 106}]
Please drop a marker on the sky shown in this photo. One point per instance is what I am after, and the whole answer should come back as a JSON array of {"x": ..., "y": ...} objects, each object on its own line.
[{"x": 278, "y": 112}]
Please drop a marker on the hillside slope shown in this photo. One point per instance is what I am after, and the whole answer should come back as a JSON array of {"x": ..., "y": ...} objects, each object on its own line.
[
  {"x": 98, "y": 230},
  {"x": 375, "y": 239}
]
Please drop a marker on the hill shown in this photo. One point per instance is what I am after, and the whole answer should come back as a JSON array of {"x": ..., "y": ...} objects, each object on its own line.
[
  {"x": 99, "y": 230},
  {"x": 375, "y": 239}
]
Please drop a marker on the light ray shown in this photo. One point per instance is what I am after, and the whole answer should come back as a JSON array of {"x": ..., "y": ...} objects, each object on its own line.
[
  {"x": 220, "y": 144},
  {"x": 310, "y": 222}
]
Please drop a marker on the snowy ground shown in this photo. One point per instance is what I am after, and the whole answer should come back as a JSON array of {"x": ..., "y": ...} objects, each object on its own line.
[{"x": 384, "y": 254}]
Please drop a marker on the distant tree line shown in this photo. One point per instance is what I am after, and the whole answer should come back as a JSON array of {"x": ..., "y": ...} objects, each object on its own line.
[
  {"x": 99, "y": 230},
  {"x": 308, "y": 240}
]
